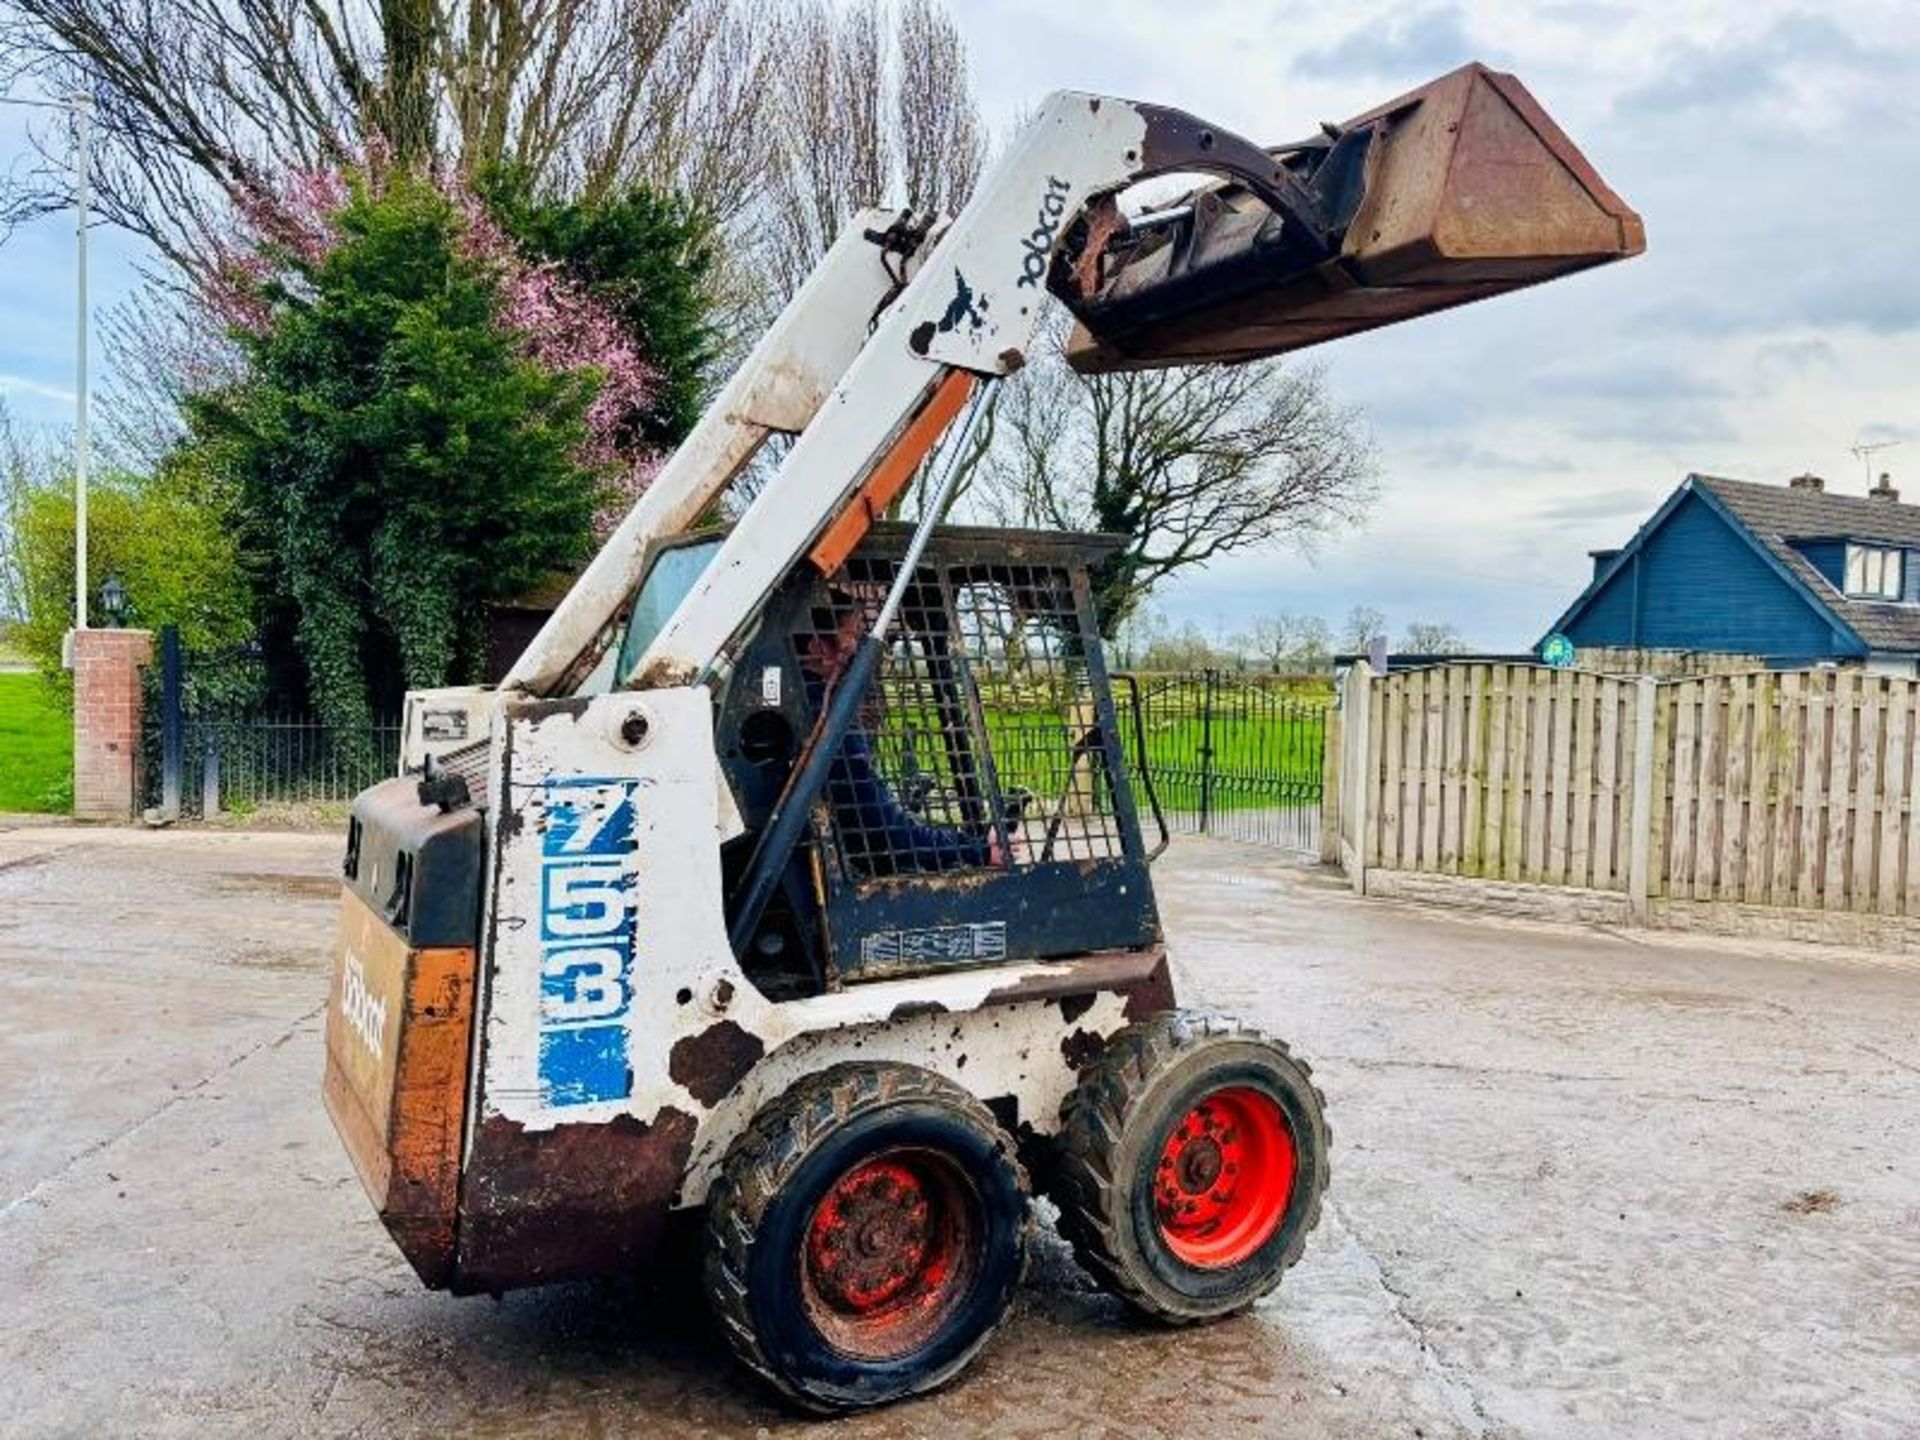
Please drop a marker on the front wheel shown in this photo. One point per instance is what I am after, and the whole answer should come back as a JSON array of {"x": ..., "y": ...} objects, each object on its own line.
[
  {"x": 866, "y": 1235},
  {"x": 1193, "y": 1159}
]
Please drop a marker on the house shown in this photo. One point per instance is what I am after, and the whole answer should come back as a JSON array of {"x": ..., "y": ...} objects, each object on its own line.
[{"x": 1789, "y": 575}]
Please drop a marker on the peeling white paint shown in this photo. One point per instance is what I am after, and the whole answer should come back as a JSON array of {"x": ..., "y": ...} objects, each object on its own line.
[{"x": 683, "y": 976}]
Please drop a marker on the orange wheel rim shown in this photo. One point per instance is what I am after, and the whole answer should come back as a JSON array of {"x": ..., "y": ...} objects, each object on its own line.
[
  {"x": 890, "y": 1252},
  {"x": 1224, "y": 1178}
]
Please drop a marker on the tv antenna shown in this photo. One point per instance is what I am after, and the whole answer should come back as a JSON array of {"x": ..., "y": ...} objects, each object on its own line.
[{"x": 1864, "y": 453}]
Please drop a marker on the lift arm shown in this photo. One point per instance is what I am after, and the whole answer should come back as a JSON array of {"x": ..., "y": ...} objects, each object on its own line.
[
  {"x": 975, "y": 305},
  {"x": 778, "y": 390},
  {"x": 1457, "y": 191}
]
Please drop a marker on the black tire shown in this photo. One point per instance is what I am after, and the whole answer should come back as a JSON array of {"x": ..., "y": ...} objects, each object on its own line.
[
  {"x": 807, "y": 1295},
  {"x": 1121, "y": 1186}
]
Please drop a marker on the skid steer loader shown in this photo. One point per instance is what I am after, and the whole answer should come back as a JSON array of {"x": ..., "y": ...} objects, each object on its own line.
[{"x": 795, "y": 875}]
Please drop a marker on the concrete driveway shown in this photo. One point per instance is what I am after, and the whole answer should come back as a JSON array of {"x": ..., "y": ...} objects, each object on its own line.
[{"x": 1584, "y": 1184}]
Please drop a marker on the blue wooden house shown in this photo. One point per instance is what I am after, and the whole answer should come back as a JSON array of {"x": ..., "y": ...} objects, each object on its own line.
[{"x": 1791, "y": 574}]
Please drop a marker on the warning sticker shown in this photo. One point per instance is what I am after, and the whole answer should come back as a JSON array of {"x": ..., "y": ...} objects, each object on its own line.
[{"x": 937, "y": 944}]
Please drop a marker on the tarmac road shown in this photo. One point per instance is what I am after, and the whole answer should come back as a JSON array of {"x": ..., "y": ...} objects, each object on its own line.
[{"x": 1584, "y": 1184}]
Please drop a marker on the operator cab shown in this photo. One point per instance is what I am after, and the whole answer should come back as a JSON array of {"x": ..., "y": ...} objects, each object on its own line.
[{"x": 980, "y": 809}]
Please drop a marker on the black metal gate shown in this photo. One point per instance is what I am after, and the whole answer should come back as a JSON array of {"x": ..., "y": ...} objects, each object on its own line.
[
  {"x": 1238, "y": 756},
  {"x": 202, "y": 753}
]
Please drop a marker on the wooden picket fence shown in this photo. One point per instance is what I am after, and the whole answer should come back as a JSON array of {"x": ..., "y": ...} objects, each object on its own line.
[{"x": 1788, "y": 789}]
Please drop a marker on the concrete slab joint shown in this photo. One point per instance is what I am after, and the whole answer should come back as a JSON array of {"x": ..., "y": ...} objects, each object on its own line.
[{"x": 106, "y": 721}]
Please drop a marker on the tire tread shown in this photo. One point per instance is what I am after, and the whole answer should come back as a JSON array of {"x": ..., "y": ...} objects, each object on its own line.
[
  {"x": 763, "y": 1159},
  {"x": 1088, "y": 1190}
]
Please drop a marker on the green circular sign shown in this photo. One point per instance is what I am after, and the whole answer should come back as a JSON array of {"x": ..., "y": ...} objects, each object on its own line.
[{"x": 1557, "y": 651}]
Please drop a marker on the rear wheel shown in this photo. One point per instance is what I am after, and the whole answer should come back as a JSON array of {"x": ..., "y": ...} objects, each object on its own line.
[
  {"x": 1193, "y": 1159},
  {"x": 866, "y": 1235}
]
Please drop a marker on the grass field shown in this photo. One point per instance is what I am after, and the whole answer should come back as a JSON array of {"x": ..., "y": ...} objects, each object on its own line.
[
  {"x": 1266, "y": 754},
  {"x": 36, "y": 746}
]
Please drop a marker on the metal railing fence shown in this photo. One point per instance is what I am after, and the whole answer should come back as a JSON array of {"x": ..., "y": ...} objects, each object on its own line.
[
  {"x": 1238, "y": 755},
  {"x": 241, "y": 762}
]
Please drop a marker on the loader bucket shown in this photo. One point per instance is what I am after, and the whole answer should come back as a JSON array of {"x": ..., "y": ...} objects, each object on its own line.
[{"x": 1458, "y": 191}]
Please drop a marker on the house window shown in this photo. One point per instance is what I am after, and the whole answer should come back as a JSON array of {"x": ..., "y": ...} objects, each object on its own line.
[{"x": 1874, "y": 572}]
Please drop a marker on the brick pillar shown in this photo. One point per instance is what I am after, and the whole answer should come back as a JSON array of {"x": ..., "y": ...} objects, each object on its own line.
[{"x": 106, "y": 721}]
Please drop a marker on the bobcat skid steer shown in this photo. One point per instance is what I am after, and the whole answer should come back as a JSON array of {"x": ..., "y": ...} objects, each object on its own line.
[{"x": 795, "y": 875}]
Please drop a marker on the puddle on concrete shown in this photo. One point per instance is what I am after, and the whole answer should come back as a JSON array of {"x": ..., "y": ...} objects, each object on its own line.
[
  {"x": 289, "y": 960},
  {"x": 299, "y": 887}
]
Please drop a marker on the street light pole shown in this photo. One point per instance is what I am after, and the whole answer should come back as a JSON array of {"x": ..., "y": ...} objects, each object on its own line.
[{"x": 82, "y": 165}]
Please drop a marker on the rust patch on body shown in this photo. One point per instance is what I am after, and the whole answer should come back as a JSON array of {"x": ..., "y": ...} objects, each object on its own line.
[
  {"x": 1152, "y": 994},
  {"x": 532, "y": 712},
  {"x": 711, "y": 1063},
  {"x": 1121, "y": 971},
  {"x": 914, "y": 1009},
  {"x": 399, "y": 1022},
  {"x": 664, "y": 674},
  {"x": 576, "y": 1200}
]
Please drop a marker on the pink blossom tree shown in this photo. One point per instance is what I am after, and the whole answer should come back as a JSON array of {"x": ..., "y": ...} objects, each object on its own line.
[{"x": 283, "y": 234}]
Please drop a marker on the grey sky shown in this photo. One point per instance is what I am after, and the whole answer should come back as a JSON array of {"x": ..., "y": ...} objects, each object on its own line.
[{"x": 1772, "y": 148}]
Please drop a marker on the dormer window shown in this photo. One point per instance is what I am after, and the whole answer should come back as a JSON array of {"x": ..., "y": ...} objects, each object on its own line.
[{"x": 1875, "y": 572}]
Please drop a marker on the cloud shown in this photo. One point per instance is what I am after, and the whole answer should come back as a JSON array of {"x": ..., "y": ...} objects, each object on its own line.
[
  {"x": 1459, "y": 453},
  {"x": 1633, "y": 376},
  {"x": 12, "y": 385},
  {"x": 1622, "y": 501},
  {"x": 1882, "y": 432},
  {"x": 1426, "y": 42},
  {"x": 1679, "y": 429},
  {"x": 1796, "y": 357},
  {"x": 1583, "y": 14},
  {"x": 1770, "y": 73}
]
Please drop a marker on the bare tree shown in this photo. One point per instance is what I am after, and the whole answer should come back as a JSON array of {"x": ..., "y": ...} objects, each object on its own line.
[
  {"x": 1362, "y": 625},
  {"x": 17, "y": 469},
  {"x": 159, "y": 350},
  {"x": 1181, "y": 647},
  {"x": 1187, "y": 465},
  {"x": 777, "y": 118},
  {"x": 1286, "y": 642},
  {"x": 1268, "y": 638},
  {"x": 1312, "y": 644},
  {"x": 876, "y": 109},
  {"x": 943, "y": 143},
  {"x": 201, "y": 101},
  {"x": 1424, "y": 638}
]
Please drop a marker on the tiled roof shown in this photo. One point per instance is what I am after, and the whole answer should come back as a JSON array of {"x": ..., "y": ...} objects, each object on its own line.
[{"x": 1777, "y": 514}]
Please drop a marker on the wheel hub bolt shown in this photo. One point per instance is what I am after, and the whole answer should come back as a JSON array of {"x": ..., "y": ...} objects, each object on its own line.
[{"x": 1200, "y": 1166}]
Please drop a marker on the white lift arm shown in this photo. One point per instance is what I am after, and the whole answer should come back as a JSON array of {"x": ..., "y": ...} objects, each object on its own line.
[
  {"x": 778, "y": 389},
  {"x": 1449, "y": 194},
  {"x": 849, "y": 384},
  {"x": 975, "y": 304}
]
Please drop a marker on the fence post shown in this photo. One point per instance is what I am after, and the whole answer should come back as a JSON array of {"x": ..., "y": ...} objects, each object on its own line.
[
  {"x": 210, "y": 772},
  {"x": 171, "y": 737},
  {"x": 1206, "y": 753},
  {"x": 1640, "y": 855},
  {"x": 1357, "y": 770},
  {"x": 1332, "y": 779}
]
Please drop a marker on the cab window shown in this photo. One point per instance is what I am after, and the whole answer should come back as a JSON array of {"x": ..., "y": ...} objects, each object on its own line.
[{"x": 668, "y": 582}]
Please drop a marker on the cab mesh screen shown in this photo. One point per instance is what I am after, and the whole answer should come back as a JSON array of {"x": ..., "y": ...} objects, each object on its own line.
[{"x": 979, "y": 745}]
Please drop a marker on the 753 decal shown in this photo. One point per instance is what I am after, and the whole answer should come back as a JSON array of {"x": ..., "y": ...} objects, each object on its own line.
[{"x": 587, "y": 876}]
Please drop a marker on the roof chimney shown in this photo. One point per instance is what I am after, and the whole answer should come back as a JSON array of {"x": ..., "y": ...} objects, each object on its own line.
[
  {"x": 1808, "y": 481},
  {"x": 1884, "y": 490}
]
